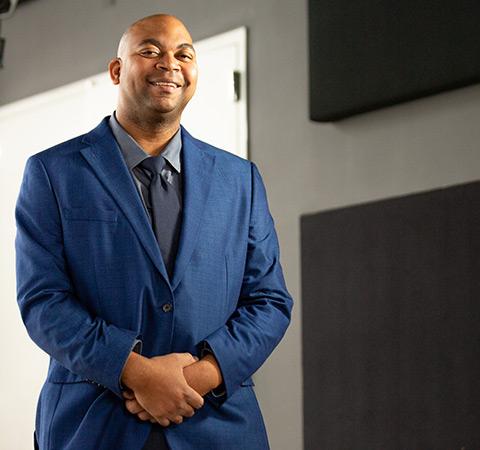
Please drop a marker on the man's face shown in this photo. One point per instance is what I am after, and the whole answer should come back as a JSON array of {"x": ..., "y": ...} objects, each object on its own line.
[{"x": 157, "y": 69}]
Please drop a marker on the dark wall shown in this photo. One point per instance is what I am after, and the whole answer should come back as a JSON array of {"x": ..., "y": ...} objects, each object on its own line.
[
  {"x": 370, "y": 54},
  {"x": 391, "y": 324}
]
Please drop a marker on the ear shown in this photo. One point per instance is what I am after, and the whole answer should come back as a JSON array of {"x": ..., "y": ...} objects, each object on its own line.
[{"x": 114, "y": 69}]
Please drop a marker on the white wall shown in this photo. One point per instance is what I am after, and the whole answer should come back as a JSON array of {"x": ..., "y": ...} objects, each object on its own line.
[
  {"x": 306, "y": 166},
  {"x": 25, "y": 129}
]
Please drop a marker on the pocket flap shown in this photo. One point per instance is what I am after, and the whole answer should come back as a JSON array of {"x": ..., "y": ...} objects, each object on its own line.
[{"x": 90, "y": 214}]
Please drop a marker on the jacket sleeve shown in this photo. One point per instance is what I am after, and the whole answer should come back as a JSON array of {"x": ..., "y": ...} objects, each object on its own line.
[
  {"x": 54, "y": 316},
  {"x": 264, "y": 306}
]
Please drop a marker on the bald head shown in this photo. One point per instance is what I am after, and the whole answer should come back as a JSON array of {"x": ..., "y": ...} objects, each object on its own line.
[{"x": 155, "y": 20}]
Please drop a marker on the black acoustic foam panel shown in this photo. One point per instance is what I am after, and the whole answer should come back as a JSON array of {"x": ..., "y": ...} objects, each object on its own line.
[
  {"x": 366, "y": 54},
  {"x": 391, "y": 324}
]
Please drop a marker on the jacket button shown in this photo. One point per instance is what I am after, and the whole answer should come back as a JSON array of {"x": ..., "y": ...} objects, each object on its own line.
[{"x": 167, "y": 307}]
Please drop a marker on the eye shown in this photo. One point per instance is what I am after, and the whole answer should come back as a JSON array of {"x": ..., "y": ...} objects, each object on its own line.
[
  {"x": 149, "y": 53},
  {"x": 185, "y": 56}
]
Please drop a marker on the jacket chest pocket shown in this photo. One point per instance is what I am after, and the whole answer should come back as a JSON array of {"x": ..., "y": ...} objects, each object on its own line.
[
  {"x": 89, "y": 225},
  {"x": 90, "y": 214}
]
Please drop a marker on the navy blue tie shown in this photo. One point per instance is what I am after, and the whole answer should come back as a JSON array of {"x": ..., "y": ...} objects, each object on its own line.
[{"x": 164, "y": 208}]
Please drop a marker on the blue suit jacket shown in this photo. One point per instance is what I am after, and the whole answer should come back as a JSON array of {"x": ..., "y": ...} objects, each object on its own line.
[{"x": 90, "y": 276}]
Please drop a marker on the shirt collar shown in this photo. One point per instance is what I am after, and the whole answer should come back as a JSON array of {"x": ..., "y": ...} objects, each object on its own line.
[{"x": 134, "y": 154}]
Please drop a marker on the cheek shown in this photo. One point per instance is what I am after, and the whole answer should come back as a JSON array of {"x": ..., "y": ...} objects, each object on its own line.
[
  {"x": 134, "y": 74},
  {"x": 191, "y": 75}
]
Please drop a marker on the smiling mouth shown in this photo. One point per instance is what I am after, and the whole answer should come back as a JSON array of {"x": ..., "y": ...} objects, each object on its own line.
[{"x": 170, "y": 84}]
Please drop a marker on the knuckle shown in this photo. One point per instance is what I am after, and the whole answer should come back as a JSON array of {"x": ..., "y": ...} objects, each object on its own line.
[
  {"x": 171, "y": 412},
  {"x": 180, "y": 397}
]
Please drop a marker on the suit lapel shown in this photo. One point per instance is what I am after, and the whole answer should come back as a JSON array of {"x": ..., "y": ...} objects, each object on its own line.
[
  {"x": 198, "y": 175},
  {"x": 106, "y": 160}
]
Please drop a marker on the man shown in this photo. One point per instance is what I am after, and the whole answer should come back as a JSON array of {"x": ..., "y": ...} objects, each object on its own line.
[{"x": 148, "y": 269}]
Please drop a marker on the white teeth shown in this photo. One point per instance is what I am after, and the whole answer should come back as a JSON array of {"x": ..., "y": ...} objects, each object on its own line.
[{"x": 164, "y": 83}]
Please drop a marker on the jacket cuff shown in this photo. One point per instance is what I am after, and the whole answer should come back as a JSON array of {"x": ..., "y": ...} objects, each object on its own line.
[{"x": 137, "y": 348}]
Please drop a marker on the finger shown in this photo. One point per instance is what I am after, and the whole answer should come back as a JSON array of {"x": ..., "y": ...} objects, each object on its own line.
[
  {"x": 187, "y": 411},
  {"x": 193, "y": 398},
  {"x": 143, "y": 415},
  {"x": 128, "y": 394},
  {"x": 164, "y": 422},
  {"x": 133, "y": 406},
  {"x": 177, "y": 419},
  {"x": 186, "y": 359}
]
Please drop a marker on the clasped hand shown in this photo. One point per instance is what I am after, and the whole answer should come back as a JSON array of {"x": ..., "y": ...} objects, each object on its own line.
[{"x": 166, "y": 389}]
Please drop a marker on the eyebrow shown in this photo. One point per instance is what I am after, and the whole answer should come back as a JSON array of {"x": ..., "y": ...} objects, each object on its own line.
[{"x": 159, "y": 45}]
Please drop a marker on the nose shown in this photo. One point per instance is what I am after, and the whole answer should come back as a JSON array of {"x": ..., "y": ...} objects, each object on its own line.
[{"x": 167, "y": 62}]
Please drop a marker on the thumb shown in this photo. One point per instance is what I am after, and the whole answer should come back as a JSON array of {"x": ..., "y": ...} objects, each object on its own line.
[{"x": 187, "y": 358}]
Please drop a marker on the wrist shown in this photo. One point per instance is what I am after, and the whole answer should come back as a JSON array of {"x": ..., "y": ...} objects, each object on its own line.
[
  {"x": 135, "y": 371},
  {"x": 200, "y": 376},
  {"x": 212, "y": 370}
]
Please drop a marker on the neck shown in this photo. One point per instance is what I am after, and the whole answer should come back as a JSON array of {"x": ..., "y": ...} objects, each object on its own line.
[{"x": 151, "y": 135}]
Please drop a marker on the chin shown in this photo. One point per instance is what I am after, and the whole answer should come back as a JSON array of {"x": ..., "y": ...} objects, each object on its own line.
[
  {"x": 168, "y": 108},
  {"x": 169, "y": 111}
]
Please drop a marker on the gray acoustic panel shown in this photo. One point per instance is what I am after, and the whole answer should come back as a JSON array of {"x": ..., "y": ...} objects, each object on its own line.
[
  {"x": 367, "y": 54},
  {"x": 391, "y": 324}
]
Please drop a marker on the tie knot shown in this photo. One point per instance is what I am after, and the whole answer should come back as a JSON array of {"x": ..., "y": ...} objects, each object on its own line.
[{"x": 154, "y": 164}]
